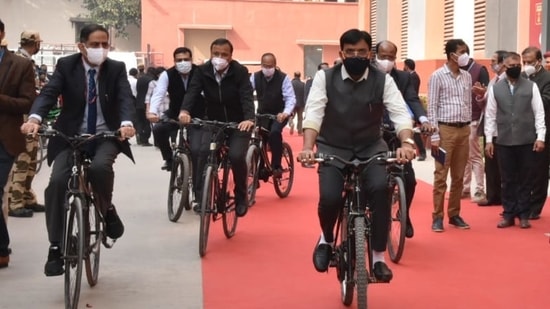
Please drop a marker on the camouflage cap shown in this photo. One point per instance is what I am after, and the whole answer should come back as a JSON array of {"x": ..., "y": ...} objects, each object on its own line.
[{"x": 30, "y": 36}]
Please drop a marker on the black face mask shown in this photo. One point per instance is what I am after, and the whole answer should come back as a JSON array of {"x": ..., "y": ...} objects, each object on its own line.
[
  {"x": 513, "y": 72},
  {"x": 356, "y": 66}
]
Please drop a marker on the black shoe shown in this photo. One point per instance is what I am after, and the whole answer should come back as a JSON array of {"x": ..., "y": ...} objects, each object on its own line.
[
  {"x": 322, "y": 254},
  {"x": 36, "y": 207},
  {"x": 458, "y": 222},
  {"x": 145, "y": 144},
  {"x": 167, "y": 166},
  {"x": 524, "y": 224},
  {"x": 409, "y": 232},
  {"x": 242, "y": 208},
  {"x": 534, "y": 216},
  {"x": 20, "y": 212},
  {"x": 382, "y": 272},
  {"x": 114, "y": 228},
  {"x": 489, "y": 203},
  {"x": 504, "y": 223},
  {"x": 421, "y": 157},
  {"x": 437, "y": 225},
  {"x": 54, "y": 265},
  {"x": 197, "y": 207},
  {"x": 277, "y": 173}
]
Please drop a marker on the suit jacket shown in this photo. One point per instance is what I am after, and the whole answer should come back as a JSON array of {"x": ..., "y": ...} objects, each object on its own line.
[
  {"x": 299, "y": 86},
  {"x": 415, "y": 80},
  {"x": 142, "y": 85},
  {"x": 69, "y": 80},
  {"x": 406, "y": 87},
  {"x": 17, "y": 92}
]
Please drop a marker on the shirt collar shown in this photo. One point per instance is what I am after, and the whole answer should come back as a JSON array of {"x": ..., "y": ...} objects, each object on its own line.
[
  {"x": 24, "y": 53},
  {"x": 88, "y": 67},
  {"x": 345, "y": 75},
  {"x": 223, "y": 73}
]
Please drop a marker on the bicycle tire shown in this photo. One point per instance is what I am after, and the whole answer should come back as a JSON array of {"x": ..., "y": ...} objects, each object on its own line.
[
  {"x": 283, "y": 185},
  {"x": 94, "y": 235},
  {"x": 229, "y": 215},
  {"x": 178, "y": 187},
  {"x": 41, "y": 153},
  {"x": 208, "y": 206},
  {"x": 74, "y": 253},
  {"x": 398, "y": 223},
  {"x": 361, "y": 274},
  {"x": 253, "y": 163},
  {"x": 345, "y": 271}
]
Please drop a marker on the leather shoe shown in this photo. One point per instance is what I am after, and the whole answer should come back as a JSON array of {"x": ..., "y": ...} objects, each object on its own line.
[
  {"x": 114, "y": 228},
  {"x": 54, "y": 265},
  {"x": 524, "y": 224},
  {"x": 242, "y": 208},
  {"x": 489, "y": 203},
  {"x": 4, "y": 261},
  {"x": 382, "y": 272},
  {"x": 277, "y": 173},
  {"x": 20, "y": 212},
  {"x": 437, "y": 225},
  {"x": 146, "y": 144},
  {"x": 421, "y": 158},
  {"x": 534, "y": 216},
  {"x": 504, "y": 223},
  {"x": 167, "y": 166},
  {"x": 322, "y": 254},
  {"x": 458, "y": 222},
  {"x": 36, "y": 207},
  {"x": 409, "y": 232}
]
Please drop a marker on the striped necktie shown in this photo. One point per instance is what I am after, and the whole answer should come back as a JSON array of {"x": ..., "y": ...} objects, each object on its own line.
[{"x": 92, "y": 103}]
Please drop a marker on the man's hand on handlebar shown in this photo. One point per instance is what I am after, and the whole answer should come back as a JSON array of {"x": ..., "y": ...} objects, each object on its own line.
[
  {"x": 405, "y": 153},
  {"x": 427, "y": 128},
  {"x": 30, "y": 127},
  {"x": 306, "y": 156},
  {"x": 184, "y": 117},
  {"x": 152, "y": 117},
  {"x": 126, "y": 132},
  {"x": 282, "y": 117},
  {"x": 246, "y": 125}
]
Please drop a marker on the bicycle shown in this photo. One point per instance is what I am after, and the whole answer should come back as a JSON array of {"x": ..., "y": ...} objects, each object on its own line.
[
  {"x": 84, "y": 224},
  {"x": 42, "y": 152},
  {"x": 218, "y": 199},
  {"x": 180, "y": 187},
  {"x": 353, "y": 232},
  {"x": 259, "y": 162}
]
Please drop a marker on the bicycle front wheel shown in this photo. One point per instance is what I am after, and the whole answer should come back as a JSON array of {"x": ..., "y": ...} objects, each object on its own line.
[
  {"x": 41, "y": 153},
  {"x": 253, "y": 164},
  {"x": 94, "y": 236},
  {"x": 361, "y": 275},
  {"x": 229, "y": 216},
  {"x": 398, "y": 223},
  {"x": 208, "y": 206},
  {"x": 74, "y": 253},
  {"x": 283, "y": 185},
  {"x": 178, "y": 188}
]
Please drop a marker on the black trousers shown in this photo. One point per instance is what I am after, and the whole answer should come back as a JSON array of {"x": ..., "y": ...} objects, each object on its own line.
[
  {"x": 492, "y": 177},
  {"x": 517, "y": 164},
  {"x": 275, "y": 141},
  {"x": 143, "y": 127},
  {"x": 100, "y": 174},
  {"x": 420, "y": 144},
  {"x": 161, "y": 133},
  {"x": 410, "y": 185},
  {"x": 540, "y": 184},
  {"x": 373, "y": 183},
  {"x": 6, "y": 162},
  {"x": 238, "y": 146}
]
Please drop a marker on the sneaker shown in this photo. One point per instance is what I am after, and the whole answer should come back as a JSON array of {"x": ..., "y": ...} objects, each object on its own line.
[
  {"x": 437, "y": 225},
  {"x": 114, "y": 228},
  {"x": 54, "y": 265},
  {"x": 479, "y": 196},
  {"x": 458, "y": 222}
]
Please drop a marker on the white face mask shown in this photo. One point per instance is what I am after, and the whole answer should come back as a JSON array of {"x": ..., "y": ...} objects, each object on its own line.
[
  {"x": 496, "y": 68},
  {"x": 219, "y": 63},
  {"x": 529, "y": 69},
  {"x": 96, "y": 56},
  {"x": 384, "y": 65},
  {"x": 268, "y": 72},
  {"x": 463, "y": 60},
  {"x": 184, "y": 67}
]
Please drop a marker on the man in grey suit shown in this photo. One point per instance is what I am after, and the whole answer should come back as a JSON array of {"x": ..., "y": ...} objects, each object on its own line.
[{"x": 298, "y": 86}]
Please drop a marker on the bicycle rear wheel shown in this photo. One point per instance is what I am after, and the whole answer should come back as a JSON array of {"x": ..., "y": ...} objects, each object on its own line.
[
  {"x": 94, "y": 236},
  {"x": 345, "y": 261},
  {"x": 74, "y": 253},
  {"x": 398, "y": 217},
  {"x": 229, "y": 216},
  {"x": 253, "y": 162},
  {"x": 361, "y": 275},
  {"x": 178, "y": 187},
  {"x": 208, "y": 206},
  {"x": 283, "y": 185}
]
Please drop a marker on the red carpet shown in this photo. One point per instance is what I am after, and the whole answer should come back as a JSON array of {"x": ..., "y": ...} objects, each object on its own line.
[{"x": 268, "y": 262}]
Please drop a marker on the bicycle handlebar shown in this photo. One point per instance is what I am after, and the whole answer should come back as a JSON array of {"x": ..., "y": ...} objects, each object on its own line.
[
  {"x": 215, "y": 124},
  {"x": 267, "y": 116},
  {"x": 388, "y": 157},
  {"x": 79, "y": 140}
]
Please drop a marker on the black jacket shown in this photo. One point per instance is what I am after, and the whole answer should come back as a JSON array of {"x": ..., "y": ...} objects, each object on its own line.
[
  {"x": 231, "y": 100},
  {"x": 407, "y": 88},
  {"x": 69, "y": 81},
  {"x": 142, "y": 86}
]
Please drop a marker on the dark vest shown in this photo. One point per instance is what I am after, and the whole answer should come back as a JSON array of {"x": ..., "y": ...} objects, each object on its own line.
[
  {"x": 269, "y": 93},
  {"x": 474, "y": 70},
  {"x": 353, "y": 113},
  {"x": 515, "y": 118},
  {"x": 176, "y": 93}
]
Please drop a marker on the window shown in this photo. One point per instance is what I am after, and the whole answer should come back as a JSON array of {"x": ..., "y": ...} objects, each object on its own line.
[
  {"x": 479, "y": 25},
  {"x": 404, "y": 28},
  {"x": 448, "y": 28}
]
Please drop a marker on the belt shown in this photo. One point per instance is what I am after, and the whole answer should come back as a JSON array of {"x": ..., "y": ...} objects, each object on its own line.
[{"x": 455, "y": 124}]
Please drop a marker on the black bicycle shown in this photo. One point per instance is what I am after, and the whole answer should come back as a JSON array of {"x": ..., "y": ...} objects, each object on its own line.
[
  {"x": 218, "y": 198},
  {"x": 180, "y": 187},
  {"x": 258, "y": 158},
  {"x": 352, "y": 254},
  {"x": 84, "y": 224}
]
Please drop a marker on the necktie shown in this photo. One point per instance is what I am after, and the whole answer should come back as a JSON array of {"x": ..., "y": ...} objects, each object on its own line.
[{"x": 92, "y": 102}]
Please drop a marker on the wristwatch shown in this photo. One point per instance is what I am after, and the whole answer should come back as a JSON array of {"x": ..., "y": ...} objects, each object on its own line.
[{"x": 409, "y": 141}]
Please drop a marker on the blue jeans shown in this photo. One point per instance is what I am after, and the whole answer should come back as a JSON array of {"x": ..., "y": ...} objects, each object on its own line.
[{"x": 6, "y": 162}]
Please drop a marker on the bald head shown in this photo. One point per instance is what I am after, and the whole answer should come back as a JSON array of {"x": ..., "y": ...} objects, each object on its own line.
[{"x": 386, "y": 50}]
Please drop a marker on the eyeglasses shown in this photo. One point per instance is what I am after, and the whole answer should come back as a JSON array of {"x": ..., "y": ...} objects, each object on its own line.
[{"x": 356, "y": 52}]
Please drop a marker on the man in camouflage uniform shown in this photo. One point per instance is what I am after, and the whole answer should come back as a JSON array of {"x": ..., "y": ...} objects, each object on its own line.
[{"x": 21, "y": 198}]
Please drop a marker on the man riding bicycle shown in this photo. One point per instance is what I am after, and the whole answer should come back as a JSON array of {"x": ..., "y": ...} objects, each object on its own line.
[
  {"x": 343, "y": 117},
  {"x": 275, "y": 96}
]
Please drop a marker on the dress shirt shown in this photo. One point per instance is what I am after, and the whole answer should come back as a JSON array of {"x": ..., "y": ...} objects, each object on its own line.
[
  {"x": 159, "y": 94},
  {"x": 133, "y": 81},
  {"x": 536, "y": 105},
  {"x": 288, "y": 93},
  {"x": 317, "y": 100},
  {"x": 449, "y": 97}
]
